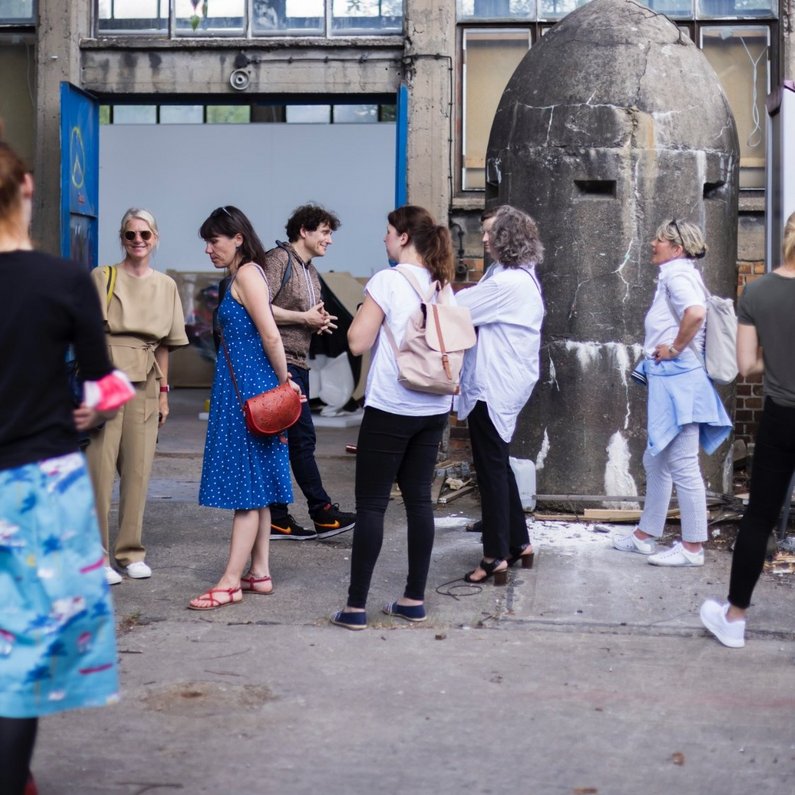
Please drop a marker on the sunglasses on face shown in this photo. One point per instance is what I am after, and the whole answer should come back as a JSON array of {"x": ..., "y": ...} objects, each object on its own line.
[{"x": 146, "y": 235}]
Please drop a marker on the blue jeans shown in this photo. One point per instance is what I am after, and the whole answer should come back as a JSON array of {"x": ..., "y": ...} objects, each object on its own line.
[
  {"x": 301, "y": 441},
  {"x": 392, "y": 446}
]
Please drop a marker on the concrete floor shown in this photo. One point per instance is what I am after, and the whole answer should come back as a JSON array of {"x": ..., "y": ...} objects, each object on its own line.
[{"x": 588, "y": 674}]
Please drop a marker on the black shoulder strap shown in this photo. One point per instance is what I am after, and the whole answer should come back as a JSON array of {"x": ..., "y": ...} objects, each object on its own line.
[{"x": 288, "y": 271}]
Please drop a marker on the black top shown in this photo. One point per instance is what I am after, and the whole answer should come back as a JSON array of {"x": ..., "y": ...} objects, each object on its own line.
[{"x": 49, "y": 303}]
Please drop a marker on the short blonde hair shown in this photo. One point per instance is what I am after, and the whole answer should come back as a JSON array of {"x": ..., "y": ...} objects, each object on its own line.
[
  {"x": 684, "y": 234},
  {"x": 788, "y": 247},
  {"x": 141, "y": 215}
]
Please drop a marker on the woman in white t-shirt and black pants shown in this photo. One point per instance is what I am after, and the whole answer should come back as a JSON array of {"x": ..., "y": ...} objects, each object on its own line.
[{"x": 401, "y": 429}]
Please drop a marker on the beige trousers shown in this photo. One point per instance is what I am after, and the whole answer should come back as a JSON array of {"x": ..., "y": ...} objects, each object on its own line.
[{"x": 126, "y": 445}]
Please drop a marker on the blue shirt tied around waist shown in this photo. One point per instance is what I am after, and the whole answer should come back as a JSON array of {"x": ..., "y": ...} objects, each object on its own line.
[{"x": 680, "y": 393}]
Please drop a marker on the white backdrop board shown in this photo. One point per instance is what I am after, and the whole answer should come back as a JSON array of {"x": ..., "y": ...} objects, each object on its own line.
[{"x": 183, "y": 172}]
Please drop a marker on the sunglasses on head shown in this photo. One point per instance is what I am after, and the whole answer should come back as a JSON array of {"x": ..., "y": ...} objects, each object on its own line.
[
  {"x": 145, "y": 234},
  {"x": 678, "y": 231}
]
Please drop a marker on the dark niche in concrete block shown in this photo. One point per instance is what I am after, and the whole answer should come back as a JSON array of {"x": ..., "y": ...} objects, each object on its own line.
[{"x": 612, "y": 124}]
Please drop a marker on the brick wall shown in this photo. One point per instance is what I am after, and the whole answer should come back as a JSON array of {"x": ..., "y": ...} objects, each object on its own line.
[{"x": 748, "y": 406}]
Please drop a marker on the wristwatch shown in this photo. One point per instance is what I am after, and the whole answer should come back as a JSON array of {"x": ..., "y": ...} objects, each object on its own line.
[
  {"x": 673, "y": 351},
  {"x": 165, "y": 388}
]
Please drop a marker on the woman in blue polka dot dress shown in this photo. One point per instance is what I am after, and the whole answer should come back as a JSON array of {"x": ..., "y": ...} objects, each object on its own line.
[{"x": 243, "y": 472}]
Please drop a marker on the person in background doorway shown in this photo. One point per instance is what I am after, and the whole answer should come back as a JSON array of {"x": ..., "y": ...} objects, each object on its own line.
[
  {"x": 57, "y": 635},
  {"x": 401, "y": 430},
  {"x": 241, "y": 471},
  {"x": 684, "y": 410},
  {"x": 766, "y": 329},
  {"x": 295, "y": 299},
  {"x": 143, "y": 322},
  {"x": 498, "y": 378}
]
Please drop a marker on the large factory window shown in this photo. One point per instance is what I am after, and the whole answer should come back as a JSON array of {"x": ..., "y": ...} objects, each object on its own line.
[
  {"x": 17, "y": 12},
  {"x": 740, "y": 57},
  {"x": 489, "y": 59},
  {"x": 249, "y": 18},
  {"x": 738, "y": 37}
]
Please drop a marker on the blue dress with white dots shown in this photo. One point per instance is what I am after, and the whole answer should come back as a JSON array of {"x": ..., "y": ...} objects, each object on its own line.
[{"x": 241, "y": 471}]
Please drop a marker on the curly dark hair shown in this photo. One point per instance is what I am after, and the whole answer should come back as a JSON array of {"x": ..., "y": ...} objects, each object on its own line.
[
  {"x": 310, "y": 217},
  {"x": 514, "y": 238}
]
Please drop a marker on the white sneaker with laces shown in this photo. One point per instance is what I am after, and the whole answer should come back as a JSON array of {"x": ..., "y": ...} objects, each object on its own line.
[
  {"x": 677, "y": 555},
  {"x": 713, "y": 617},
  {"x": 112, "y": 577},
  {"x": 632, "y": 543},
  {"x": 139, "y": 570}
]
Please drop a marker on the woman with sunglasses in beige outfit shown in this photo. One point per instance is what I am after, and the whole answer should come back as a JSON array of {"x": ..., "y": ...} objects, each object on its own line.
[{"x": 143, "y": 322}]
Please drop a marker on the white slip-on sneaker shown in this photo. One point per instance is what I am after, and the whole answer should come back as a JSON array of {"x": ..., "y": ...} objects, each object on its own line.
[
  {"x": 713, "y": 617},
  {"x": 139, "y": 570},
  {"x": 677, "y": 555},
  {"x": 112, "y": 577},
  {"x": 632, "y": 543}
]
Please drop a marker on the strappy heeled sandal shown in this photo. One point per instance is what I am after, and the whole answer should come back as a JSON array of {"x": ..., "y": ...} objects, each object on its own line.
[
  {"x": 249, "y": 582},
  {"x": 520, "y": 553},
  {"x": 500, "y": 576}
]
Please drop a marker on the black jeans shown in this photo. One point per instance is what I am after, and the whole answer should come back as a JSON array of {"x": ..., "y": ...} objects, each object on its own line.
[
  {"x": 17, "y": 738},
  {"x": 301, "y": 441},
  {"x": 773, "y": 465},
  {"x": 504, "y": 526},
  {"x": 392, "y": 446}
]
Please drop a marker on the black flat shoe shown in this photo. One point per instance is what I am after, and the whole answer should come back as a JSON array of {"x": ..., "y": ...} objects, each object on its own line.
[
  {"x": 500, "y": 577},
  {"x": 519, "y": 553}
]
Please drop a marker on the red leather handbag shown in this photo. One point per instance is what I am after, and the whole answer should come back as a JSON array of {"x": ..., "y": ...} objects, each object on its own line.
[{"x": 270, "y": 412}]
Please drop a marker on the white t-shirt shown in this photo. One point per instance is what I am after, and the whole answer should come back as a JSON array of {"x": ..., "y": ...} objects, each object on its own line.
[
  {"x": 398, "y": 302},
  {"x": 680, "y": 283},
  {"x": 502, "y": 369}
]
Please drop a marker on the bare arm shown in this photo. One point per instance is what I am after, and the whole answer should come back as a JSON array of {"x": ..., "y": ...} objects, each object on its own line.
[
  {"x": 364, "y": 328},
  {"x": 749, "y": 353},
  {"x": 161, "y": 357},
  {"x": 692, "y": 320},
  {"x": 315, "y": 318},
  {"x": 251, "y": 291}
]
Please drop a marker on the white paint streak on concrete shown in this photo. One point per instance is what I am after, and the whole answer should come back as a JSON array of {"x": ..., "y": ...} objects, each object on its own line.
[
  {"x": 618, "y": 481},
  {"x": 542, "y": 453},
  {"x": 620, "y": 270},
  {"x": 553, "y": 375}
]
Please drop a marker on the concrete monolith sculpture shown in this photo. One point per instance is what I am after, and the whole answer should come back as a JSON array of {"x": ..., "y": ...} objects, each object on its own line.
[{"x": 612, "y": 123}]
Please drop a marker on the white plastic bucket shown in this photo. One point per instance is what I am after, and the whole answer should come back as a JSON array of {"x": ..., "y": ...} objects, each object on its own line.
[{"x": 524, "y": 470}]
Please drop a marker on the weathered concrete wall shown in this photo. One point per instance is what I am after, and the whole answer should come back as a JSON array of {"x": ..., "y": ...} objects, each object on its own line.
[
  {"x": 61, "y": 25},
  {"x": 612, "y": 124},
  {"x": 429, "y": 74},
  {"x": 17, "y": 111}
]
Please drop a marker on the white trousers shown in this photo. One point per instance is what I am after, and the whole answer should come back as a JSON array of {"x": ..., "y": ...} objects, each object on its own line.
[{"x": 676, "y": 465}]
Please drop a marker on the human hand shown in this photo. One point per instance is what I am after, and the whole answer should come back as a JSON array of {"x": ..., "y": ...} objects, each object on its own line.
[
  {"x": 86, "y": 418},
  {"x": 329, "y": 324},
  {"x": 297, "y": 388},
  {"x": 315, "y": 317},
  {"x": 163, "y": 410}
]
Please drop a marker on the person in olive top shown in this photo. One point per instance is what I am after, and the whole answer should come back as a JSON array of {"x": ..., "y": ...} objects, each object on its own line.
[
  {"x": 143, "y": 321},
  {"x": 299, "y": 312}
]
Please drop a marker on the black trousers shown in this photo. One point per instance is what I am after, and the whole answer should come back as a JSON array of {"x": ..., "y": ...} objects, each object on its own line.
[
  {"x": 17, "y": 738},
  {"x": 504, "y": 526},
  {"x": 773, "y": 465},
  {"x": 390, "y": 447}
]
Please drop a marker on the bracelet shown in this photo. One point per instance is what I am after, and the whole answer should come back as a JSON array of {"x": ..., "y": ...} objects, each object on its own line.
[
  {"x": 164, "y": 388},
  {"x": 673, "y": 351}
]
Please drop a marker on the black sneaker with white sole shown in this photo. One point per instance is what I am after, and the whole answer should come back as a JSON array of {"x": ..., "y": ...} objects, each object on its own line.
[
  {"x": 331, "y": 521},
  {"x": 290, "y": 529}
]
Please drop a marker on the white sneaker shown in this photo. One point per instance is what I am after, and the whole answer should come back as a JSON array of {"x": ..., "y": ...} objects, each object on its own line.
[
  {"x": 729, "y": 633},
  {"x": 632, "y": 543},
  {"x": 112, "y": 577},
  {"x": 677, "y": 555},
  {"x": 139, "y": 570}
]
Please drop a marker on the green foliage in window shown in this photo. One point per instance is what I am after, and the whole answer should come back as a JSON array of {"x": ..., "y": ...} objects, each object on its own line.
[
  {"x": 195, "y": 20},
  {"x": 228, "y": 114}
]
